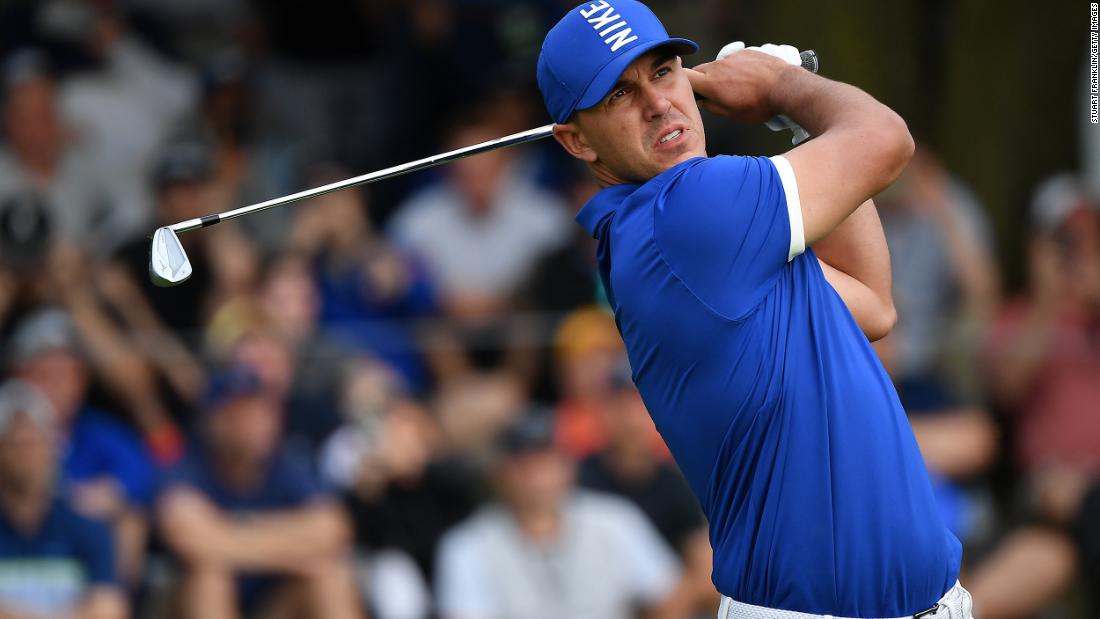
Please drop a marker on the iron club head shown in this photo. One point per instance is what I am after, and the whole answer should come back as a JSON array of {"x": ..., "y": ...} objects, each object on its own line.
[{"x": 168, "y": 263}]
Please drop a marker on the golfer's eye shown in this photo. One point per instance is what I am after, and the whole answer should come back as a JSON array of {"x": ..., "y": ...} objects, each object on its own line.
[
  {"x": 663, "y": 71},
  {"x": 616, "y": 95}
]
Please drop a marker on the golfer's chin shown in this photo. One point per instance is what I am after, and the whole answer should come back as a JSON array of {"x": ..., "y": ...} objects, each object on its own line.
[{"x": 665, "y": 160}]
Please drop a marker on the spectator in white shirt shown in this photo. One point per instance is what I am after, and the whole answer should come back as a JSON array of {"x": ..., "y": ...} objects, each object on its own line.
[
  {"x": 481, "y": 230},
  {"x": 547, "y": 550}
]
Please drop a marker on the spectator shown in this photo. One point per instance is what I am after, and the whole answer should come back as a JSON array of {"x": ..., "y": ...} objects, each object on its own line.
[
  {"x": 309, "y": 395},
  {"x": 274, "y": 331},
  {"x": 248, "y": 166},
  {"x": 481, "y": 230},
  {"x": 105, "y": 464},
  {"x": 474, "y": 409},
  {"x": 125, "y": 108},
  {"x": 563, "y": 280},
  {"x": 223, "y": 260},
  {"x": 548, "y": 550},
  {"x": 53, "y": 561},
  {"x": 41, "y": 160},
  {"x": 590, "y": 358},
  {"x": 402, "y": 491},
  {"x": 628, "y": 467},
  {"x": 1044, "y": 367},
  {"x": 945, "y": 290},
  {"x": 945, "y": 282},
  {"x": 251, "y": 528},
  {"x": 370, "y": 293},
  {"x": 37, "y": 273}
]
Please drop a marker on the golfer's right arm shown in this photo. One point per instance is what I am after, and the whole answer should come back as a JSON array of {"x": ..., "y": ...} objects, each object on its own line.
[{"x": 862, "y": 146}]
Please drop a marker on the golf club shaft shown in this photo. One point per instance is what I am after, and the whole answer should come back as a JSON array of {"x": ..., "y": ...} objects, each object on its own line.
[
  {"x": 420, "y": 164},
  {"x": 809, "y": 62}
]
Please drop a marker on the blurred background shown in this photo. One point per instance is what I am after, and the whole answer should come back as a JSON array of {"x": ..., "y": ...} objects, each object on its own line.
[{"x": 409, "y": 400}]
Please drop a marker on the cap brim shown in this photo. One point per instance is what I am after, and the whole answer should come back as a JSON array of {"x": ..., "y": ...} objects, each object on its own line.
[{"x": 609, "y": 75}]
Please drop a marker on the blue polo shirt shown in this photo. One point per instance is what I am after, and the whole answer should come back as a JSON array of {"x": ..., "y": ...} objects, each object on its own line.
[{"x": 768, "y": 394}]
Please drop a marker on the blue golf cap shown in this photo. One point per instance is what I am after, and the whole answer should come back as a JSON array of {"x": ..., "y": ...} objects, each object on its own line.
[
  {"x": 585, "y": 53},
  {"x": 231, "y": 384}
]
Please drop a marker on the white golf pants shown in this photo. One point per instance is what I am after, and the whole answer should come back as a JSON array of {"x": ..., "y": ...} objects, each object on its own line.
[{"x": 955, "y": 604}]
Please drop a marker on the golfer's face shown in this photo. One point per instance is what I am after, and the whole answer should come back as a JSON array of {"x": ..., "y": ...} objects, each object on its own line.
[{"x": 649, "y": 121}]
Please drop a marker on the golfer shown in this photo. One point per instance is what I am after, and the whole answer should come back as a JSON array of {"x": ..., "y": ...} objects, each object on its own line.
[{"x": 747, "y": 290}]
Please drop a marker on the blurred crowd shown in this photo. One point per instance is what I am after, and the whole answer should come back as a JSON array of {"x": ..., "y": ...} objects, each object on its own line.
[{"x": 409, "y": 400}]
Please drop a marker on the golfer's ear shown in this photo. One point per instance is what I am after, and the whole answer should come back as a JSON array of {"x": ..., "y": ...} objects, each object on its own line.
[{"x": 571, "y": 139}]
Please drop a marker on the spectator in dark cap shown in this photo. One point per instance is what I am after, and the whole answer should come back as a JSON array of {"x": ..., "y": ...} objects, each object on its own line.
[
  {"x": 252, "y": 529},
  {"x": 54, "y": 562},
  {"x": 546, "y": 549}
]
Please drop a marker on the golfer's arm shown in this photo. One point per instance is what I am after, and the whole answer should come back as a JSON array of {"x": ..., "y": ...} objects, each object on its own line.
[
  {"x": 870, "y": 313},
  {"x": 860, "y": 147},
  {"x": 858, "y": 262}
]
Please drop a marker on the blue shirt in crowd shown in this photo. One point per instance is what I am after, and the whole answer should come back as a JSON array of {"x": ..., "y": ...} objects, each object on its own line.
[
  {"x": 100, "y": 446},
  {"x": 48, "y": 571},
  {"x": 287, "y": 484},
  {"x": 769, "y": 395}
]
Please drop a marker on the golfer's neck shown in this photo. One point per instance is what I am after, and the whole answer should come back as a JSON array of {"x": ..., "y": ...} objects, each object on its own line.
[{"x": 604, "y": 177}]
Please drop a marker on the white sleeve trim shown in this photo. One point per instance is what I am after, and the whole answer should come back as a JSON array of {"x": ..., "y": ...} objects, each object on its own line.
[{"x": 794, "y": 206}]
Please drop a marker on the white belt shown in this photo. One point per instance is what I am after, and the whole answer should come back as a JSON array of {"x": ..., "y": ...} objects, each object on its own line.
[{"x": 955, "y": 604}]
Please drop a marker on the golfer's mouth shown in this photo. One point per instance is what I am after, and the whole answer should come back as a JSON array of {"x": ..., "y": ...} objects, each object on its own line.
[{"x": 670, "y": 138}]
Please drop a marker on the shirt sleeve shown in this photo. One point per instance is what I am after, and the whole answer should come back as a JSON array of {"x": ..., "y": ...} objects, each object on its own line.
[{"x": 728, "y": 226}]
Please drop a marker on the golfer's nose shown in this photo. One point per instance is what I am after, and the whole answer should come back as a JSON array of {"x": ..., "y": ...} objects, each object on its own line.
[{"x": 655, "y": 103}]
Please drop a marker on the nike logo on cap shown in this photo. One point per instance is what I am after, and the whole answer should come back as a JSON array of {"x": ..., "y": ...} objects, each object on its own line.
[{"x": 617, "y": 32}]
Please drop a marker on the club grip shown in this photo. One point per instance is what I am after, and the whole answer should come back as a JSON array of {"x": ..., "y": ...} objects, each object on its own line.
[{"x": 809, "y": 60}]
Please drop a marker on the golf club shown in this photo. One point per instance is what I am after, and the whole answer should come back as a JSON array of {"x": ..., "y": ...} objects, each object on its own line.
[{"x": 168, "y": 263}]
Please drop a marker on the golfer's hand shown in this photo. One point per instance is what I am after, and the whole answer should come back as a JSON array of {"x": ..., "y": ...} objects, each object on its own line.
[{"x": 740, "y": 86}]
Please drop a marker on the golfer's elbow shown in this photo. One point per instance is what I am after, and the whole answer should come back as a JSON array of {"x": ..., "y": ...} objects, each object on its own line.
[
  {"x": 894, "y": 145},
  {"x": 881, "y": 322}
]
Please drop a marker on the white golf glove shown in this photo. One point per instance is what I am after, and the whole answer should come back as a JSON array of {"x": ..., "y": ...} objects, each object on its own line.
[{"x": 784, "y": 52}]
